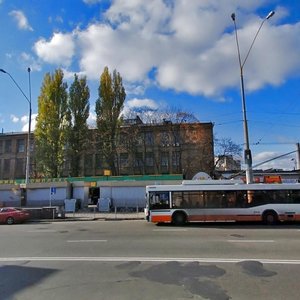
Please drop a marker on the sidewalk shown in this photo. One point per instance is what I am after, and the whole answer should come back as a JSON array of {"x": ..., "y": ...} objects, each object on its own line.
[{"x": 92, "y": 216}]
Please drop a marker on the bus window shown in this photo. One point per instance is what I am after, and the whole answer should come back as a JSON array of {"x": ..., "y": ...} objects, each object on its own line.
[
  {"x": 231, "y": 199},
  {"x": 159, "y": 200},
  {"x": 241, "y": 199},
  {"x": 195, "y": 199},
  {"x": 249, "y": 198},
  {"x": 294, "y": 196},
  {"x": 177, "y": 199},
  {"x": 259, "y": 198},
  {"x": 213, "y": 199}
]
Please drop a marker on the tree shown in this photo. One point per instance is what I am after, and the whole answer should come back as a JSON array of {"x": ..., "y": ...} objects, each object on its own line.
[
  {"x": 225, "y": 147},
  {"x": 156, "y": 116},
  {"x": 108, "y": 113},
  {"x": 77, "y": 131},
  {"x": 50, "y": 132}
]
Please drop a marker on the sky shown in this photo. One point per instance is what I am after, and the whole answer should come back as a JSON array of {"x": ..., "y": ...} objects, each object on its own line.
[{"x": 178, "y": 54}]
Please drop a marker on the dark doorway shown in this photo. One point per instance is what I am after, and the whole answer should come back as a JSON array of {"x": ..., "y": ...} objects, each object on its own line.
[
  {"x": 94, "y": 195},
  {"x": 23, "y": 197}
]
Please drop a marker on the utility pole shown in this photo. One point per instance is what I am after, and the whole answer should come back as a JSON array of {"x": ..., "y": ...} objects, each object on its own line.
[
  {"x": 298, "y": 156},
  {"x": 247, "y": 151}
]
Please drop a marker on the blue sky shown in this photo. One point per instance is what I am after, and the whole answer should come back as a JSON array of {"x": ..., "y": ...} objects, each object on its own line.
[{"x": 170, "y": 53}]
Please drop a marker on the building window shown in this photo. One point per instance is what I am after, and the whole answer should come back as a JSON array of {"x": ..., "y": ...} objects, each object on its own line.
[
  {"x": 1, "y": 147},
  {"x": 149, "y": 139},
  {"x": 20, "y": 166},
  {"x": 176, "y": 158},
  {"x": 124, "y": 140},
  {"x": 21, "y": 146},
  {"x": 88, "y": 162},
  {"x": 164, "y": 159},
  {"x": 165, "y": 139},
  {"x": 6, "y": 166},
  {"x": 8, "y": 146},
  {"x": 140, "y": 139},
  {"x": 149, "y": 159},
  {"x": 98, "y": 161},
  {"x": 138, "y": 160},
  {"x": 124, "y": 160},
  {"x": 176, "y": 139}
]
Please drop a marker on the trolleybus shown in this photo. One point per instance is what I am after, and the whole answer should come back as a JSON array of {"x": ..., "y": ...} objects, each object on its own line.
[{"x": 222, "y": 200}]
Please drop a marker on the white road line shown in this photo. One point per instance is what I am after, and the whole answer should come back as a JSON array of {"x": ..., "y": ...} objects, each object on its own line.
[
  {"x": 250, "y": 241},
  {"x": 41, "y": 231},
  {"x": 151, "y": 259},
  {"x": 86, "y": 241},
  {"x": 161, "y": 230}
]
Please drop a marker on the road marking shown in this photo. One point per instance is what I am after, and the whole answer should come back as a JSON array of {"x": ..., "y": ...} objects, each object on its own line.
[
  {"x": 250, "y": 241},
  {"x": 169, "y": 229},
  {"x": 41, "y": 231},
  {"x": 151, "y": 259},
  {"x": 86, "y": 241}
]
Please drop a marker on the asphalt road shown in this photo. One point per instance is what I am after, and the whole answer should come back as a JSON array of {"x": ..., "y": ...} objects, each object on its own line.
[{"x": 139, "y": 260}]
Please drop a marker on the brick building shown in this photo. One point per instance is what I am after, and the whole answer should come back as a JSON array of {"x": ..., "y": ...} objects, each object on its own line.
[{"x": 164, "y": 148}]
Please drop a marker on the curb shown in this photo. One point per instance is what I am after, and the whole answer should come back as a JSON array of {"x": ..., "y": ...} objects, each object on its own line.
[{"x": 72, "y": 219}]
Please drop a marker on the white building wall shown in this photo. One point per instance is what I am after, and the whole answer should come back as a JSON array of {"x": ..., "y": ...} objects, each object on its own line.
[
  {"x": 81, "y": 193},
  {"x": 41, "y": 197},
  {"x": 124, "y": 196},
  {"x": 10, "y": 197}
]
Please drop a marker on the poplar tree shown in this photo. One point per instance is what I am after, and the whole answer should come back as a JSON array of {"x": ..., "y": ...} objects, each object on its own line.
[
  {"x": 50, "y": 131},
  {"x": 77, "y": 133},
  {"x": 108, "y": 110}
]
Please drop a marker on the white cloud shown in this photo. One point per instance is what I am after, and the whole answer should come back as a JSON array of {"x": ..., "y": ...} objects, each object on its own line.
[
  {"x": 189, "y": 48},
  {"x": 24, "y": 120},
  {"x": 90, "y": 2},
  {"x": 14, "y": 119},
  {"x": 21, "y": 19},
  {"x": 29, "y": 60},
  {"x": 58, "y": 50},
  {"x": 138, "y": 103},
  {"x": 91, "y": 121},
  {"x": 272, "y": 162},
  {"x": 69, "y": 75}
]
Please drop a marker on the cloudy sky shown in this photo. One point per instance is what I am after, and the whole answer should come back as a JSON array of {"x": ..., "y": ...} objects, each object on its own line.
[{"x": 170, "y": 53}]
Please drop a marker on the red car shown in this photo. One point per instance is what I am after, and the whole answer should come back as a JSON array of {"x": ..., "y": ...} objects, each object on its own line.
[{"x": 11, "y": 215}]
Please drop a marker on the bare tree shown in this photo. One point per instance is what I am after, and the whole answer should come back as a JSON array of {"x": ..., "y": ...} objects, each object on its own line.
[
  {"x": 225, "y": 147},
  {"x": 157, "y": 116}
]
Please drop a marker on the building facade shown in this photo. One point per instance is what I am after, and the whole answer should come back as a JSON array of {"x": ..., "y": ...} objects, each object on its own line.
[{"x": 143, "y": 149}]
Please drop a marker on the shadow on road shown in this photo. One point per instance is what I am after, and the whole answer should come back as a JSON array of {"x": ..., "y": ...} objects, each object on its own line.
[
  {"x": 237, "y": 225},
  {"x": 17, "y": 278}
]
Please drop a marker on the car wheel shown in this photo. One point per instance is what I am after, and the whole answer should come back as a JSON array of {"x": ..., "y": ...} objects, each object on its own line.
[{"x": 10, "y": 221}]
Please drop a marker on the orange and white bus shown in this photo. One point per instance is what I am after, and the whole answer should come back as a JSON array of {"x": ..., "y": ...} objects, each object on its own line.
[{"x": 222, "y": 200}]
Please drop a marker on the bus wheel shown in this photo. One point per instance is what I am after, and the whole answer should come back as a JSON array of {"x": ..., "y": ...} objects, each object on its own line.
[
  {"x": 179, "y": 218},
  {"x": 270, "y": 217}
]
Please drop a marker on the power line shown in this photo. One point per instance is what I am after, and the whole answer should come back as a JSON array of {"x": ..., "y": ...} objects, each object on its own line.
[{"x": 271, "y": 159}]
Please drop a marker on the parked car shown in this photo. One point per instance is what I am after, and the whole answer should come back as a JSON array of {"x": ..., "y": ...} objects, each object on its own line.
[{"x": 11, "y": 215}]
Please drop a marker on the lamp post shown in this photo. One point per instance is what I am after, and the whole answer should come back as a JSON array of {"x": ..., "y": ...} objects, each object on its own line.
[
  {"x": 247, "y": 151},
  {"x": 29, "y": 121}
]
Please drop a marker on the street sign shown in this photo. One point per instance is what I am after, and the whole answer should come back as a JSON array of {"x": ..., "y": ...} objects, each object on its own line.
[{"x": 53, "y": 190}]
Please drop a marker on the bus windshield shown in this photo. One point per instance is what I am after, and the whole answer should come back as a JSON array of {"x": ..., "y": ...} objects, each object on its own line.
[{"x": 159, "y": 200}]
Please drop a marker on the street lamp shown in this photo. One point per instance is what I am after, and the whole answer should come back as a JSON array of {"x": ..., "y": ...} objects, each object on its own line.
[
  {"x": 29, "y": 121},
  {"x": 247, "y": 151}
]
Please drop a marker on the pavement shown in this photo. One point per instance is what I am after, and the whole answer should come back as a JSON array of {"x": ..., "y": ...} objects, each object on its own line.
[{"x": 94, "y": 216}]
